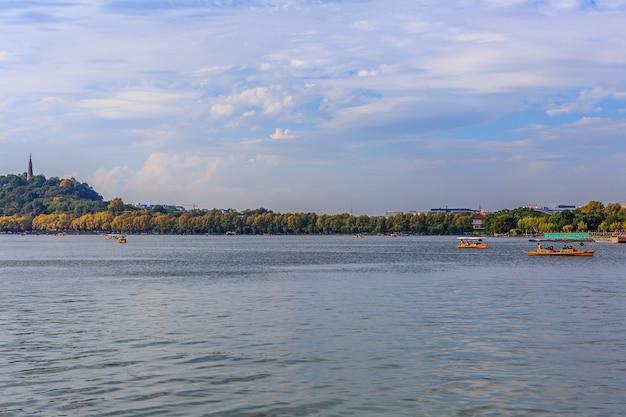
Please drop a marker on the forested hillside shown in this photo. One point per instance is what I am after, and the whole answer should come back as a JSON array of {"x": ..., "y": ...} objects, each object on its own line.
[{"x": 19, "y": 196}]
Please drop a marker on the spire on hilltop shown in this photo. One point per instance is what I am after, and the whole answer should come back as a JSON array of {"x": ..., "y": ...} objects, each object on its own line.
[{"x": 29, "y": 174}]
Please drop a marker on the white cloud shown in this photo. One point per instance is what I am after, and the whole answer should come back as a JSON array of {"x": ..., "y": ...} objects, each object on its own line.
[
  {"x": 109, "y": 182},
  {"x": 367, "y": 73},
  {"x": 264, "y": 100},
  {"x": 161, "y": 175},
  {"x": 222, "y": 110},
  {"x": 137, "y": 103},
  {"x": 297, "y": 63},
  {"x": 282, "y": 134},
  {"x": 586, "y": 102},
  {"x": 211, "y": 70}
]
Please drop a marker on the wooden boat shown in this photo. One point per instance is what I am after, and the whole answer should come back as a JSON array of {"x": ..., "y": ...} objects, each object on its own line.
[
  {"x": 471, "y": 243},
  {"x": 544, "y": 249}
]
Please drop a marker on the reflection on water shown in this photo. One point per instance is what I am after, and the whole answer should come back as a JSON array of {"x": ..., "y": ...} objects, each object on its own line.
[{"x": 298, "y": 326}]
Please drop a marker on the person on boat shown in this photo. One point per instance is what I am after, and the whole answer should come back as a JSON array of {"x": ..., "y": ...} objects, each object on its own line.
[{"x": 538, "y": 246}]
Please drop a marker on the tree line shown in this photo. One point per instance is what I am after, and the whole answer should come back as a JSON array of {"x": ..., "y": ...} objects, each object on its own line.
[
  {"x": 119, "y": 217},
  {"x": 125, "y": 219},
  {"x": 591, "y": 217}
]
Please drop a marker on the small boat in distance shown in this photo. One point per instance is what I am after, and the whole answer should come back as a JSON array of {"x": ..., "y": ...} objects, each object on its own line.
[
  {"x": 121, "y": 239},
  {"x": 546, "y": 249},
  {"x": 114, "y": 236},
  {"x": 471, "y": 243}
]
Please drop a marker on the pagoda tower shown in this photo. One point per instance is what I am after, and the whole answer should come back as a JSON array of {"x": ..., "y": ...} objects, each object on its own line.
[{"x": 29, "y": 174}]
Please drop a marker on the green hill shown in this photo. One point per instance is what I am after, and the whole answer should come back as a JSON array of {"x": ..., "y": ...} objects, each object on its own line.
[{"x": 44, "y": 196}]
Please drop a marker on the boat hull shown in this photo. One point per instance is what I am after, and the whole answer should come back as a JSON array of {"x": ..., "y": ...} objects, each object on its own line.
[
  {"x": 472, "y": 246},
  {"x": 567, "y": 252}
]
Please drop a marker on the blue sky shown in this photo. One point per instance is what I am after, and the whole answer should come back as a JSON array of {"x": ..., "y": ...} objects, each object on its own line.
[{"x": 322, "y": 106}]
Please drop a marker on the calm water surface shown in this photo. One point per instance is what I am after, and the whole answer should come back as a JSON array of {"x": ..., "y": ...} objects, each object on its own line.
[{"x": 308, "y": 326}]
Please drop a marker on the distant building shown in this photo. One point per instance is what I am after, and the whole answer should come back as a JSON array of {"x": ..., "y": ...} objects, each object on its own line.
[
  {"x": 29, "y": 173},
  {"x": 416, "y": 212},
  {"x": 454, "y": 210},
  {"x": 152, "y": 206},
  {"x": 550, "y": 210},
  {"x": 477, "y": 224}
]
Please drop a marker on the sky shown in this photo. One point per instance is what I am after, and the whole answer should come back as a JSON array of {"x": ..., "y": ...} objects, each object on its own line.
[{"x": 325, "y": 106}]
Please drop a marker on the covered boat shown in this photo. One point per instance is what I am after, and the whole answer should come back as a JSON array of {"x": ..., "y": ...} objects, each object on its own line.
[
  {"x": 471, "y": 243},
  {"x": 547, "y": 247}
]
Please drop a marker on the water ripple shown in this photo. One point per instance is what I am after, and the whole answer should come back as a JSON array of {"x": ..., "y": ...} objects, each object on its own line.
[{"x": 308, "y": 326}]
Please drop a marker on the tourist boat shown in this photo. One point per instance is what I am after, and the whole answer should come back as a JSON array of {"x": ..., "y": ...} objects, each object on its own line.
[
  {"x": 471, "y": 243},
  {"x": 544, "y": 248}
]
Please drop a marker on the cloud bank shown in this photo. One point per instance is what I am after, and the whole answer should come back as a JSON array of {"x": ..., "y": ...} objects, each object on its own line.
[{"x": 320, "y": 106}]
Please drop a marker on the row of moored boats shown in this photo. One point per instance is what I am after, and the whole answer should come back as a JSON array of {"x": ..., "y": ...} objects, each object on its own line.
[{"x": 545, "y": 247}]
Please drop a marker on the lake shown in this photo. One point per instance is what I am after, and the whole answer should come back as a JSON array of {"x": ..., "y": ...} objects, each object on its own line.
[{"x": 242, "y": 326}]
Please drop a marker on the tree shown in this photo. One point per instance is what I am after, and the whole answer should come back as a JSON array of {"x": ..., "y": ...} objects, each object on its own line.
[
  {"x": 614, "y": 209},
  {"x": 529, "y": 225},
  {"x": 592, "y": 219},
  {"x": 500, "y": 223},
  {"x": 561, "y": 219},
  {"x": 116, "y": 206},
  {"x": 15, "y": 223},
  {"x": 505, "y": 221},
  {"x": 592, "y": 206}
]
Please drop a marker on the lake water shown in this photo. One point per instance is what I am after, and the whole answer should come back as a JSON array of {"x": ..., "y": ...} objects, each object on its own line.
[{"x": 308, "y": 326}]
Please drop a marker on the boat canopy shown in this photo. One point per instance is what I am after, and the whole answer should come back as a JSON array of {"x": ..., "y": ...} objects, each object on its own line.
[
  {"x": 559, "y": 236},
  {"x": 560, "y": 240}
]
